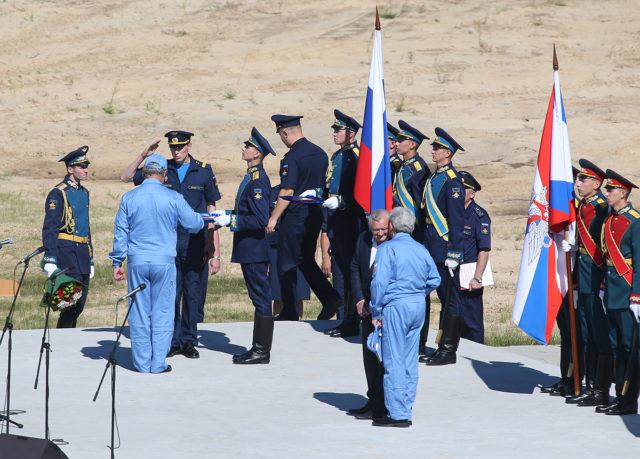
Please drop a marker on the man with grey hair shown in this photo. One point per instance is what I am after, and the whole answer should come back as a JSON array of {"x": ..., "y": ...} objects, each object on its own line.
[
  {"x": 366, "y": 248},
  {"x": 145, "y": 233},
  {"x": 403, "y": 274}
]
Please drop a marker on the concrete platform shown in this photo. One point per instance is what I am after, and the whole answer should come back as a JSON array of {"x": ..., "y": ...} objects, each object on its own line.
[{"x": 484, "y": 406}]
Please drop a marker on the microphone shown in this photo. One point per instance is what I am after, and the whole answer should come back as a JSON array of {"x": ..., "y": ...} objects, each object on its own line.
[
  {"x": 62, "y": 271},
  {"x": 6, "y": 241},
  {"x": 36, "y": 252},
  {"x": 133, "y": 292}
]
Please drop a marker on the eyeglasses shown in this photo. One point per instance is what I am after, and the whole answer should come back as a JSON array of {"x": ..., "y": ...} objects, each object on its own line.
[{"x": 82, "y": 166}]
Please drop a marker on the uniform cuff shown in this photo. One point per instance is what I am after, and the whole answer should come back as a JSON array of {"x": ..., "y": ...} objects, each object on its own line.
[
  {"x": 634, "y": 298},
  {"x": 319, "y": 192},
  {"x": 454, "y": 255},
  {"x": 50, "y": 259},
  {"x": 233, "y": 226}
]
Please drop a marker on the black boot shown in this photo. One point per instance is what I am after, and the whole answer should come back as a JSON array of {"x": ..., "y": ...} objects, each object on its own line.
[
  {"x": 260, "y": 352},
  {"x": 244, "y": 355},
  {"x": 330, "y": 308},
  {"x": 563, "y": 389},
  {"x": 620, "y": 366},
  {"x": 602, "y": 382},
  {"x": 591, "y": 360},
  {"x": 449, "y": 341},
  {"x": 629, "y": 398}
]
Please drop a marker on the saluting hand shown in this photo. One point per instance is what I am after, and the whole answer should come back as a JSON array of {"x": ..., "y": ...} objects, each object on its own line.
[{"x": 150, "y": 149}]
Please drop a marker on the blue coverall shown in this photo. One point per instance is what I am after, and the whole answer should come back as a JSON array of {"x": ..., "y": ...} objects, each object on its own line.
[
  {"x": 403, "y": 274},
  {"x": 145, "y": 232}
]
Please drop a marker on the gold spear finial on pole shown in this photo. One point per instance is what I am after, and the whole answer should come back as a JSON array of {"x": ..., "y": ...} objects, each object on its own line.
[
  {"x": 555, "y": 59},
  {"x": 377, "y": 19}
]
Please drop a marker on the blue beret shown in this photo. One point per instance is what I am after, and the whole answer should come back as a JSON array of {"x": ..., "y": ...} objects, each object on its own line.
[
  {"x": 344, "y": 122},
  {"x": 76, "y": 157},
  {"x": 179, "y": 137},
  {"x": 444, "y": 140},
  {"x": 283, "y": 121},
  {"x": 258, "y": 141},
  {"x": 156, "y": 161},
  {"x": 469, "y": 181},
  {"x": 409, "y": 132},
  {"x": 392, "y": 132}
]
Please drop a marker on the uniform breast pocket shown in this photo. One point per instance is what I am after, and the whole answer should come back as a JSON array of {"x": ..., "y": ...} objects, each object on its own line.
[{"x": 195, "y": 188}]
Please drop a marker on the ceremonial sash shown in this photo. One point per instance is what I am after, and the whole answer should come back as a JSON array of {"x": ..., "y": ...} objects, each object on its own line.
[
  {"x": 592, "y": 249},
  {"x": 619, "y": 262},
  {"x": 431, "y": 190},
  {"x": 402, "y": 193},
  {"x": 243, "y": 184}
]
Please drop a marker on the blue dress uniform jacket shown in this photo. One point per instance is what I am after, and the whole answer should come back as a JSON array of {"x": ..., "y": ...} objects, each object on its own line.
[
  {"x": 408, "y": 183},
  {"x": 477, "y": 236},
  {"x": 145, "y": 234},
  {"x": 66, "y": 235},
  {"x": 250, "y": 217},
  {"x": 404, "y": 273}
]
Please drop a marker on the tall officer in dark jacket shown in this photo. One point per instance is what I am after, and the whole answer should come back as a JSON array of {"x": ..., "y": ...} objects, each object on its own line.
[
  {"x": 443, "y": 212},
  {"x": 361, "y": 271},
  {"x": 394, "y": 158},
  {"x": 302, "y": 168},
  {"x": 195, "y": 181},
  {"x": 66, "y": 235},
  {"x": 591, "y": 214},
  {"x": 247, "y": 221},
  {"x": 621, "y": 249},
  {"x": 344, "y": 216},
  {"x": 477, "y": 244}
]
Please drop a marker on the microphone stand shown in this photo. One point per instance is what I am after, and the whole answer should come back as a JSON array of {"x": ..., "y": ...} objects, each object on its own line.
[
  {"x": 8, "y": 325},
  {"x": 45, "y": 346},
  {"x": 112, "y": 362}
]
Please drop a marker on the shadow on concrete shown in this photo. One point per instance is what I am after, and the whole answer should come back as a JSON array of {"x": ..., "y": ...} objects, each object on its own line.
[
  {"x": 343, "y": 402},
  {"x": 632, "y": 423},
  {"x": 125, "y": 332},
  {"x": 322, "y": 325},
  {"x": 217, "y": 341},
  {"x": 511, "y": 377},
  {"x": 103, "y": 351}
]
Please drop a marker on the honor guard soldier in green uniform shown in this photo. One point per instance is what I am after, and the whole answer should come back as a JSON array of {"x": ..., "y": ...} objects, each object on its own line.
[
  {"x": 247, "y": 222},
  {"x": 591, "y": 214},
  {"x": 344, "y": 217},
  {"x": 66, "y": 235},
  {"x": 621, "y": 250}
]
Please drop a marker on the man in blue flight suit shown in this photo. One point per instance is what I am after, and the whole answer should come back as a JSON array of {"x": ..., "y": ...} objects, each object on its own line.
[
  {"x": 195, "y": 181},
  {"x": 248, "y": 221},
  {"x": 66, "y": 235},
  {"x": 345, "y": 218},
  {"x": 145, "y": 234},
  {"x": 302, "y": 168},
  {"x": 592, "y": 211},
  {"x": 621, "y": 250},
  {"x": 477, "y": 244},
  {"x": 443, "y": 212},
  {"x": 403, "y": 275}
]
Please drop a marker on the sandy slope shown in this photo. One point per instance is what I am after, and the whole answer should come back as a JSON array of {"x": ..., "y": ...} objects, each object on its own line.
[{"x": 481, "y": 70}]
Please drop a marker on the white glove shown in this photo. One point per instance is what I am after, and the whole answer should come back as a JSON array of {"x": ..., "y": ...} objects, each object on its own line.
[
  {"x": 635, "y": 310},
  {"x": 92, "y": 272},
  {"x": 451, "y": 263},
  {"x": 222, "y": 220},
  {"x": 568, "y": 247},
  {"x": 331, "y": 203},
  {"x": 575, "y": 300},
  {"x": 310, "y": 193},
  {"x": 601, "y": 295},
  {"x": 49, "y": 268}
]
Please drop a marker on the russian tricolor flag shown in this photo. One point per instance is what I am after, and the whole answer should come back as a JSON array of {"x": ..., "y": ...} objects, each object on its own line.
[
  {"x": 373, "y": 177},
  {"x": 543, "y": 279}
]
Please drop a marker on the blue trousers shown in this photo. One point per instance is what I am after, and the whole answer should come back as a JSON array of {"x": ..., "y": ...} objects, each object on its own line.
[
  {"x": 472, "y": 315},
  {"x": 455, "y": 301},
  {"x": 188, "y": 270},
  {"x": 401, "y": 324},
  {"x": 151, "y": 314},
  {"x": 255, "y": 277}
]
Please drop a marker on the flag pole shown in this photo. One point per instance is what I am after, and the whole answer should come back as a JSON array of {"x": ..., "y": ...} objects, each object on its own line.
[{"x": 572, "y": 314}]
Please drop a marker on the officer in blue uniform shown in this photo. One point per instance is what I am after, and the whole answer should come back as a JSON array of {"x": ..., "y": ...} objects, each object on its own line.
[
  {"x": 66, "y": 235},
  {"x": 145, "y": 234},
  {"x": 477, "y": 244},
  {"x": 411, "y": 175},
  {"x": 345, "y": 218},
  {"x": 248, "y": 221},
  {"x": 621, "y": 249},
  {"x": 403, "y": 275},
  {"x": 302, "y": 168},
  {"x": 394, "y": 158},
  {"x": 195, "y": 181},
  {"x": 443, "y": 213}
]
